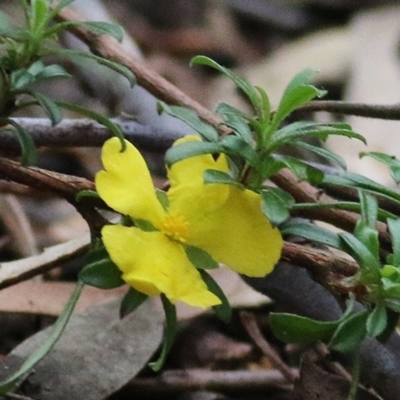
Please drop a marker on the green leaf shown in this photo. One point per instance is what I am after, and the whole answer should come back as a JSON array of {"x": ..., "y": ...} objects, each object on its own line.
[
  {"x": 20, "y": 79},
  {"x": 58, "y": 328},
  {"x": 28, "y": 147},
  {"x": 394, "y": 229},
  {"x": 59, "y": 6},
  {"x": 329, "y": 155},
  {"x": 50, "y": 106},
  {"x": 53, "y": 71},
  {"x": 187, "y": 115},
  {"x": 76, "y": 55},
  {"x": 265, "y": 106},
  {"x": 297, "y": 93},
  {"x": 248, "y": 89},
  {"x": 377, "y": 321},
  {"x": 223, "y": 310},
  {"x": 86, "y": 193},
  {"x": 101, "y": 119},
  {"x": 235, "y": 119},
  {"x": 350, "y": 333},
  {"x": 369, "y": 264},
  {"x": 131, "y": 301},
  {"x": 365, "y": 230},
  {"x": 293, "y": 328},
  {"x": 190, "y": 149},
  {"x": 282, "y": 137},
  {"x": 39, "y": 11},
  {"x": 349, "y": 179},
  {"x": 200, "y": 258},
  {"x": 302, "y": 170},
  {"x": 391, "y": 161},
  {"x": 274, "y": 206},
  {"x": 237, "y": 146},
  {"x": 393, "y": 304},
  {"x": 170, "y": 333},
  {"x": 162, "y": 198},
  {"x": 103, "y": 274},
  {"x": 214, "y": 176},
  {"x": 105, "y": 28},
  {"x": 311, "y": 232}
]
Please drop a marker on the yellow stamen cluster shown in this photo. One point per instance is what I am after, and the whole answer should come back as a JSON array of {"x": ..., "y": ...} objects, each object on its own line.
[{"x": 175, "y": 227}]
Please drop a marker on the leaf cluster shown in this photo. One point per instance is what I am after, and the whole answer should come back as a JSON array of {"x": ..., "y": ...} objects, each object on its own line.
[
  {"x": 22, "y": 54},
  {"x": 256, "y": 139}
]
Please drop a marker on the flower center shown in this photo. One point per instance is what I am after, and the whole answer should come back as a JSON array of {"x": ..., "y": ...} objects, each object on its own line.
[{"x": 175, "y": 227}]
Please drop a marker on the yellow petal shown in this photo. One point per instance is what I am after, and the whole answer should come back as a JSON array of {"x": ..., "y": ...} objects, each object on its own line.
[
  {"x": 188, "y": 194},
  {"x": 239, "y": 235},
  {"x": 126, "y": 185},
  {"x": 154, "y": 264}
]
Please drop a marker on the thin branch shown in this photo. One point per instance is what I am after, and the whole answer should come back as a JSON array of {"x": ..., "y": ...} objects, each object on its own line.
[
  {"x": 85, "y": 132},
  {"x": 201, "y": 379},
  {"x": 250, "y": 324},
  {"x": 12, "y": 272},
  {"x": 109, "y": 48},
  {"x": 378, "y": 111}
]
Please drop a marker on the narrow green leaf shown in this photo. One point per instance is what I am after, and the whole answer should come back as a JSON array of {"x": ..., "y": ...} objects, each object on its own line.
[
  {"x": 369, "y": 264},
  {"x": 131, "y": 301},
  {"x": 274, "y": 207},
  {"x": 200, "y": 258},
  {"x": 103, "y": 274},
  {"x": 214, "y": 176},
  {"x": 343, "y": 178},
  {"x": 223, "y": 310},
  {"x": 39, "y": 10},
  {"x": 369, "y": 209},
  {"x": 53, "y": 71},
  {"x": 293, "y": 328},
  {"x": 28, "y": 147},
  {"x": 248, "y": 89},
  {"x": 170, "y": 333},
  {"x": 234, "y": 119},
  {"x": 311, "y": 232},
  {"x": 20, "y": 79},
  {"x": 302, "y": 170},
  {"x": 187, "y": 115},
  {"x": 237, "y": 146},
  {"x": 50, "y": 106},
  {"x": 265, "y": 105},
  {"x": 292, "y": 100},
  {"x": 190, "y": 149},
  {"x": 350, "y": 333},
  {"x": 105, "y": 28},
  {"x": 101, "y": 119},
  {"x": 391, "y": 161},
  {"x": 76, "y": 55},
  {"x": 377, "y": 321},
  {"x": 329, "y": 155},
  {"x": 394, "y": 229},
  {"x": 162, "y": 198},
  {"x": 58, "y": 328}
]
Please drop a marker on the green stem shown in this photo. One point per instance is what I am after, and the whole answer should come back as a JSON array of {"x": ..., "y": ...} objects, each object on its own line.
[{"x": 356, "y": 376}]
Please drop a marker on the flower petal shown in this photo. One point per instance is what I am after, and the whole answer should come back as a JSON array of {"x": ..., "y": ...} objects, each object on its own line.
[
  {"x": 126, "y": 185},
  {"x": 154, "y": 264},
  {"x": 239, "y": 235},
  {"x": 188, "y": 194}
]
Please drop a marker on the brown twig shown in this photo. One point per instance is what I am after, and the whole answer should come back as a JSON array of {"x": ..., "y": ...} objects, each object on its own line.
[
  {"x": 109, "y": 48},
  {"x": 201, "y": 379},
  {"x": 250, "y": 324},
  {"x": 84, "y": 132},
  {"x": 378, "y": 111}
]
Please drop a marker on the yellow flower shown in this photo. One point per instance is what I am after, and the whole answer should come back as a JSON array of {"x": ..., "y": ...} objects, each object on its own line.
[{"x": 224, "y": 220}]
